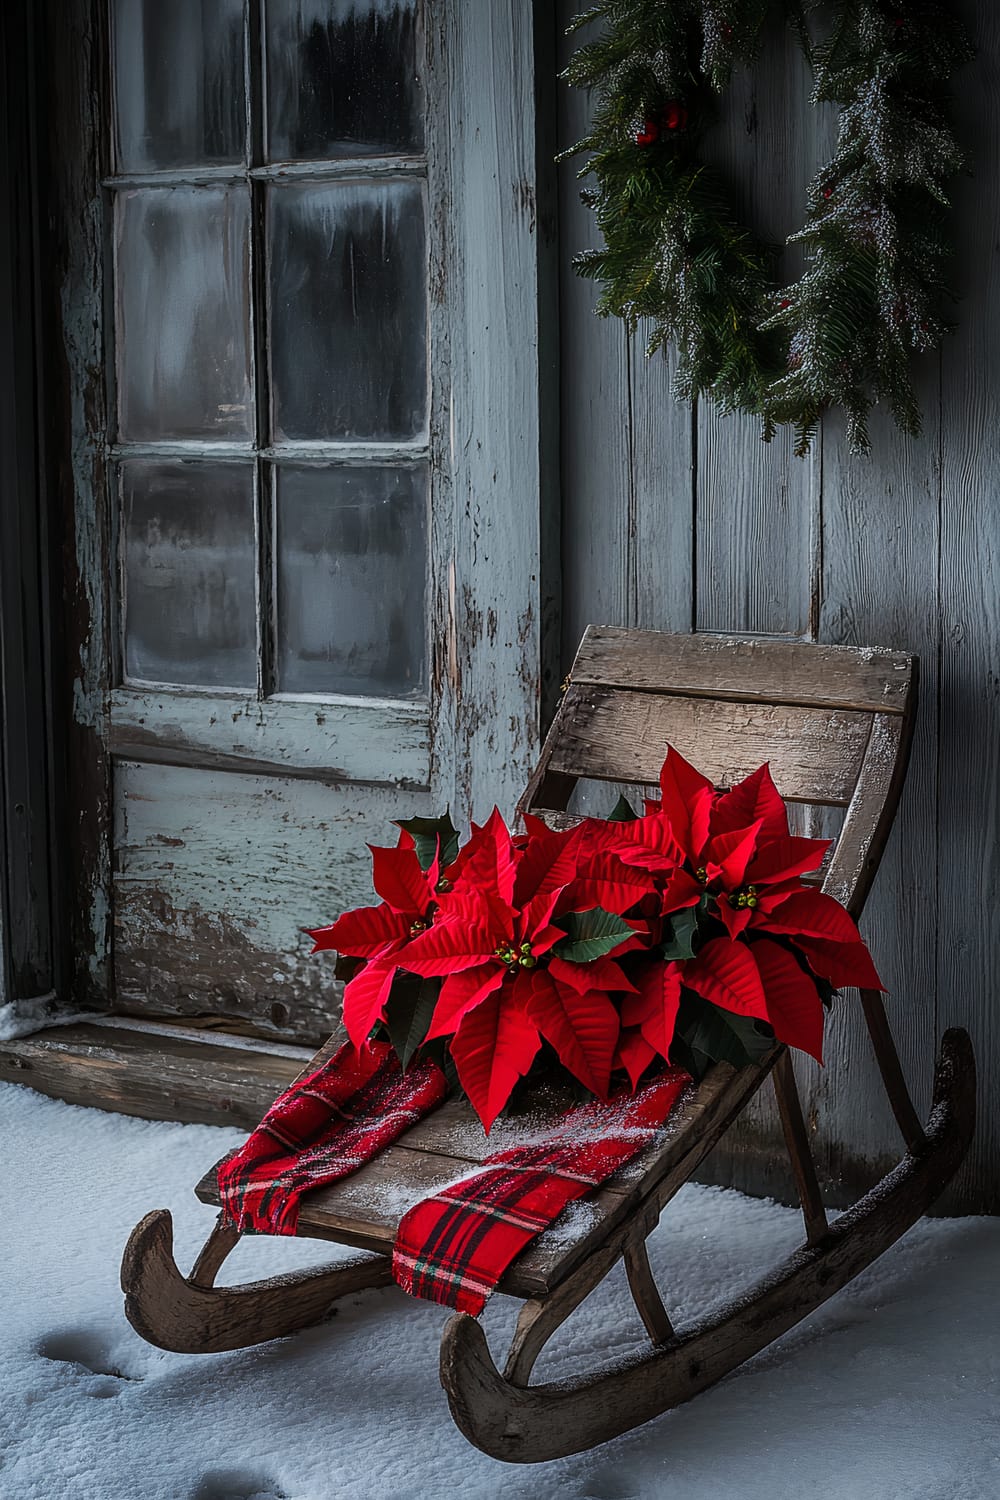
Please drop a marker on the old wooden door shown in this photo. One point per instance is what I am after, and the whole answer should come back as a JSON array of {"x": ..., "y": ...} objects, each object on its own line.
[{"x": 300, "y": 293}]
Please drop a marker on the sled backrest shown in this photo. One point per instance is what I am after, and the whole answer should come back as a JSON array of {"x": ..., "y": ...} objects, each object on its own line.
[{"x": 835, "y": 723}]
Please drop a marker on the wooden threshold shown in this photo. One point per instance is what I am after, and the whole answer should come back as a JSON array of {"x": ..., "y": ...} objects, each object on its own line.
[{"x": 156, "y": 1070}]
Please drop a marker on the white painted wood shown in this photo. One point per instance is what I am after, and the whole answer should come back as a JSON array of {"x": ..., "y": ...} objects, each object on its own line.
[
  {"x": 488, "y": 644},
  {"x": 239, "y": 821},
  {"x": 218, "y": 873},
  {"x": 368, "y": 740}
]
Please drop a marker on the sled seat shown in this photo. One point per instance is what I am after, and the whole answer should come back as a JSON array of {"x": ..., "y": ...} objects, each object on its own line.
[
  {"x": 835, "y": 723},
  {"x": 364, "y": 1210}
]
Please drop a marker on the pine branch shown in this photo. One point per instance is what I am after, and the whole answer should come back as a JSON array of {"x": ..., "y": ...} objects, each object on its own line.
[{"x": 675, "y": 254}]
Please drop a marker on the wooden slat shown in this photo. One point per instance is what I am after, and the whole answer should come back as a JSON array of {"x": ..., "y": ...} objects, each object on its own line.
[
  {"x": 747, "y": 669},
  {"x": 366, "y": 741},
  {"x": 869, "y": 817},
  {"x": 627, "y": 556},
  {"x": 756, "y": 501},
  {"x": 615, "y": 735},
  {"x": 150, "y": 1074},
  {"x": 364, "y": 1210}
]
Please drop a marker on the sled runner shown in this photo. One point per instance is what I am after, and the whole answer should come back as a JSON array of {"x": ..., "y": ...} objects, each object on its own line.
[{"x": 835, "y": 724}]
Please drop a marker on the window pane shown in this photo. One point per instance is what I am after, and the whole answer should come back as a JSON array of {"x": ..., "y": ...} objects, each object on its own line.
[
  {"x": 180, "y": 98},
  {"x": 183, "y": 298},
  {"x": 351, "y": 580},
  {"x": 190, "y": 573},
  {"x": 348, "y": 310},
  {"x": 342, "y": 79}
]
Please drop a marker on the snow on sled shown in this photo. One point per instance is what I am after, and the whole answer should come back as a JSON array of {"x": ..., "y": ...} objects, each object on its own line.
[{"x": 835, "y": 723}]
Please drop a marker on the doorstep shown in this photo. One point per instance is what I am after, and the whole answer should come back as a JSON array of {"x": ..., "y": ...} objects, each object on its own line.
[{"x": 156, "y": 1070}]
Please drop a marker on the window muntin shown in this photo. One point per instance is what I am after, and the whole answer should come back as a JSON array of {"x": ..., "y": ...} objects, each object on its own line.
[{"x": 271, "y": 348}]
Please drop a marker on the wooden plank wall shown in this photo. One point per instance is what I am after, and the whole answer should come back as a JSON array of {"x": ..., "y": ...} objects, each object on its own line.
[{"x": 680, "y": 520}]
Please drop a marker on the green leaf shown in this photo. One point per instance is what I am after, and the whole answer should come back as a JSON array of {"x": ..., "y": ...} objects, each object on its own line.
[
  {"x": 408, "y": 1014},
  {"x": 426, "y": 832},
  {"x": 623, "y": 811},
  {"x": 590, "y": 934},
  {"x": 346, "y": 967},
  {"x": 710, "y": 1034},
  {"x": 682, "y": 942}
]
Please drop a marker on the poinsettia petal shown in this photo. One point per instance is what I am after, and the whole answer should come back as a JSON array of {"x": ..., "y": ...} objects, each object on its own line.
[
  {"x": 770, "y": 897},
  {"x": 599, "y": 974},
  {"x": 655, "y": 1005},
  {"x": 609, "y": 882},
  {"x": 634, "y": 1054},
  {"x": 543, "y": 941},
  {"x": 446, "y": 947},
  {"x": 461, "y": 993},
  {"x": 362, "y": 933},
  {"x": 534, "y": 826},
  {"x": 794, "y": 1007},
  {"x": 477, "y": 909},
  {"x": 724, "y": 973},
  {"x": 489, "y": 859},
  {"x": 549, "y": 863},
  {"x": 687, "y": 798},
  {"x": 400, "y": 881},
  {"x": 734, "y": 918},
  {"x": 726, "y": 857},
  {"x": 841, "y": 964},
  {"x": 814, "y": 914},
  {"x": 647, "y": 843},
  {"x": 754, "y": 798},
  {"x": 680, "y": 891},
  {"x": 494, "y": 1047},
  {"x": 781, "y": 858},
  {"x": 583, "y": 1028},
  {"x": 365, "y": 998}
]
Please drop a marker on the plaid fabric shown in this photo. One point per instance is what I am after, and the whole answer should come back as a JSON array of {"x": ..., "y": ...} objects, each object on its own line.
[
  {"x": 454, "y": 1248},
  {"x": 321, "y": 1129}
]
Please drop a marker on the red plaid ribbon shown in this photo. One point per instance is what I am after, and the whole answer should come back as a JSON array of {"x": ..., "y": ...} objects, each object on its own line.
[
  {"x": 454, "y": 1248},
  {"x": 321, "y": 1129}
]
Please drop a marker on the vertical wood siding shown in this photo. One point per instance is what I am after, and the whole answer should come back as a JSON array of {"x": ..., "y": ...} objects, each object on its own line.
[{"x": 676, "y": 520}]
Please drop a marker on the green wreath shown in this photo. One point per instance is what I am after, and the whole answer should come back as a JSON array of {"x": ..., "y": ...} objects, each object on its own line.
[{"x": 875, "y": 234}]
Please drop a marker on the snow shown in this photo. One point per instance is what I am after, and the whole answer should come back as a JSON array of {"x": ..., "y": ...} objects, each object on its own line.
[{"x": 888, "y": 1393}]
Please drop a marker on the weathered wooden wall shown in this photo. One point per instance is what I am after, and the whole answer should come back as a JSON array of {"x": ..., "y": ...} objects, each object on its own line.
[{"x": 680, "y": 520}]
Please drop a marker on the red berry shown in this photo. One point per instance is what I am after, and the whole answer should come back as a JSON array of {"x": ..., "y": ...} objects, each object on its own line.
[
  {"x": 674, "y": 115},
  {"x": 828, "y": 192},
  {"x": 785, "y": 302},
  {"x": 648, "y": 134}
]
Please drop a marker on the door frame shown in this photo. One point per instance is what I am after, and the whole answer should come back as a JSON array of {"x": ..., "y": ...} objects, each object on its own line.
[
  {"x": 494, "y": 597},
  {"x": 31, "y": 952}
]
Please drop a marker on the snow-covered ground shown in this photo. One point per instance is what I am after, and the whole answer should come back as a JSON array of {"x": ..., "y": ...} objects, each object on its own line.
[{"x": 892, "y": 1392}]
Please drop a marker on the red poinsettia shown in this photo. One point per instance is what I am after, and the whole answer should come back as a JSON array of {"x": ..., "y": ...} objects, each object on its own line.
[
  {"x": 735, "y": 857},
  {"x": 503, "y": 987},
  {"x": 375, "y": 934},
  {"x": 606, "y": 941}
]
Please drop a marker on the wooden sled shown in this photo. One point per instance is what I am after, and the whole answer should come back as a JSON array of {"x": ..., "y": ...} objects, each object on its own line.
[{"x": 835, "y": 723}]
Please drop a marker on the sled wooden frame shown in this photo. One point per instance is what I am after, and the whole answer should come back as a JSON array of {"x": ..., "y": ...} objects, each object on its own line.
[{"x": 835, "y": 723}]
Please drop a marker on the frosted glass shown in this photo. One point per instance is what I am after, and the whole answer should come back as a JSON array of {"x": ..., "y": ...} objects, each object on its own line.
[
  {"x": 351, "y": 580},
  {"x": 190, "y": 570},
  {"x": 179, "y": 90},
  {"x": 342, "y": 79},
  {"x": 348, "y": 310},
  {"x": 183, "y": 298}
]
